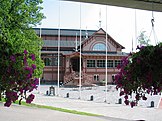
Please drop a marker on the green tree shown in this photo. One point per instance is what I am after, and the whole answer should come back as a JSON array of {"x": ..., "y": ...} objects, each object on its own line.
[
  {"x": 19, "y": 47},
  {"x": 143, "y": 39}
]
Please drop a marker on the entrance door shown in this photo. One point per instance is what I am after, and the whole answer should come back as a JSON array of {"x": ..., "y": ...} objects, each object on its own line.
[{"x": 75, "y": 64}]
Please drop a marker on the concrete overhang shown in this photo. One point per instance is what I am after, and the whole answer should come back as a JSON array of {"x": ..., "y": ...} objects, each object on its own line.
[{"x": 151, "y": 5}]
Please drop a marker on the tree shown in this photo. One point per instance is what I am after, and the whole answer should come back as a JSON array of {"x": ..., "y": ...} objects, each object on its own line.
[
  {"x": 20, "y": 47},
  {"x": 143, "y": 39}
]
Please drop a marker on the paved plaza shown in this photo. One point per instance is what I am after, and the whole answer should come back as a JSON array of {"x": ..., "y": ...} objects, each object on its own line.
[
  {"x": 110, "y": 108},
  {"x": 23, "y": 113}
]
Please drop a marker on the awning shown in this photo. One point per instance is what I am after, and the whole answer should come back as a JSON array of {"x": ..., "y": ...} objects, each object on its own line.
[{"x": 155, "y": 5}]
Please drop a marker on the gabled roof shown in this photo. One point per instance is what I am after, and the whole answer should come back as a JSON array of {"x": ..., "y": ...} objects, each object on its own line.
[
  {"x": 71, "y": 32},
  {"x": 102, "y": 32}
]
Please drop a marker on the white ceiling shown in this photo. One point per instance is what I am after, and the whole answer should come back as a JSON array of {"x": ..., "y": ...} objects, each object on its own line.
[{"x": 155, "y": 5}]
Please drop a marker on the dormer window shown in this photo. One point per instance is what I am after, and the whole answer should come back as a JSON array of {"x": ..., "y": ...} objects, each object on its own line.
[{"x": 99, "y": 47}]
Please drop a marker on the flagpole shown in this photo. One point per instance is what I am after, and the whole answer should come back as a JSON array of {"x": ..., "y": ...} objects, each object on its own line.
[
  {"x": 135, "y": 23},
  {"x": 106, "y": 61},
  {"x": 58, "y": 66},
  {"x": 132, "y": 45},
  {"x": 40, "y": 35},
  {"x": 80, "y": 60}
]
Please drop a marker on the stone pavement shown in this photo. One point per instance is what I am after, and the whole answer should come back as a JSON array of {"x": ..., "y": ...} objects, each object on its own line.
[{"x": 112, "y": 111}]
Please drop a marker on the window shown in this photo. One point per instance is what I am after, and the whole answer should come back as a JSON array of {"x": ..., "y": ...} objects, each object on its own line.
[
  {"x": 117, "y": 62},
  {"x": 48, "y": 61},
  {"x": 96, "y": 77},
  {"x": 101, "y": 63},
  {"x": 110, "y": 64},
  {"x": 52, "y": 61},
  {"x": 55, "y": 61},
  {"x": 91, "y": 63},
  {"x": 99, "y": 47}
]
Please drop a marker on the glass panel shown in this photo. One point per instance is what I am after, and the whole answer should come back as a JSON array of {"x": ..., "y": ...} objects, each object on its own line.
[
  {"x": 91, "y": 63},
  {"x": 110, "y": 63},
  {"x": 48, "y": 61},
  {"x": 101, "y": 63},
  {"x": 52, "y": 61},
  {"x": 117, "y": 62},
  {"x": 55, "y": 61},
  {"x": 99, "y": 47}
]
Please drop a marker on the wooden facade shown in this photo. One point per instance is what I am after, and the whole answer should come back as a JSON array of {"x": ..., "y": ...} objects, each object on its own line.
[{"x": 93, "y": 56}]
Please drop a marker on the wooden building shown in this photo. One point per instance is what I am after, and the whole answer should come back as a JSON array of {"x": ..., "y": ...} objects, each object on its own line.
[{"x": 93, "y": 56}]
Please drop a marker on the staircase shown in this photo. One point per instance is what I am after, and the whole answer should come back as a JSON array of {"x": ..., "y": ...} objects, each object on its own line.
[
  {"x": 72, "y": 79},
  {"x": 68, "y": 78}
]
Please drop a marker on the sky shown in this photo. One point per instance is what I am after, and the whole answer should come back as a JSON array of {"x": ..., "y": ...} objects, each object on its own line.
[{"x": 120, "y": 21}]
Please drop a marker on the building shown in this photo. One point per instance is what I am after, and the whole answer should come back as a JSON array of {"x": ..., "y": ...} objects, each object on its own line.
[{"x": 93, "y": 56}]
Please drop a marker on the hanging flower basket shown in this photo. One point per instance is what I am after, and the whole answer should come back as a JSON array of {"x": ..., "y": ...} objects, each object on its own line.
[{"x": 140, "y": 73}]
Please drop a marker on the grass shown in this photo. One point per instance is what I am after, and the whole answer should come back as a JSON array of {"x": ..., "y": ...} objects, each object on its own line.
[{"x": 55, "y": 108}]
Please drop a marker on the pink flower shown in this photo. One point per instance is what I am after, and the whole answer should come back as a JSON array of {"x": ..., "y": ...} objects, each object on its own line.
[
  {"x": 132, "y": 104},
  {"x": 25, "y": 52},
  {"x": 33, "y": 66},
  {"x": 8, "y": 103},
  {"x": 12, "y": 58},
  {"x": 126, "y": 102},
  {"x": 137, "y": 97},
  {"x": 30, "y": 98},
  {"x": 25, "y": 61},
  {"x": 144, "y": 98},
  {"x": 126, "y": 97},
  {"x": 121, "y": 93},
  {"x": 32, "y": 57}
]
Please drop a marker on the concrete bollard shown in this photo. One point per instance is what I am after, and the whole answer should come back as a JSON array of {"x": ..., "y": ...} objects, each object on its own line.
[
  {"x": 67, "y": 95},
  {"x": 120, "y": 101},
  {"x": 91, "y": 98},
  {"x": 152, "y": 104},
  {"x": 52, "y": 90},
  {"x": 47, "y": 92}
]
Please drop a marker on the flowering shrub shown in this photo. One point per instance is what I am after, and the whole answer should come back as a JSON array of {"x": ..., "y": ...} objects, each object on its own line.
[
  {"x": 140, "y": 73},
  {"x": 17, "y": 77}
]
